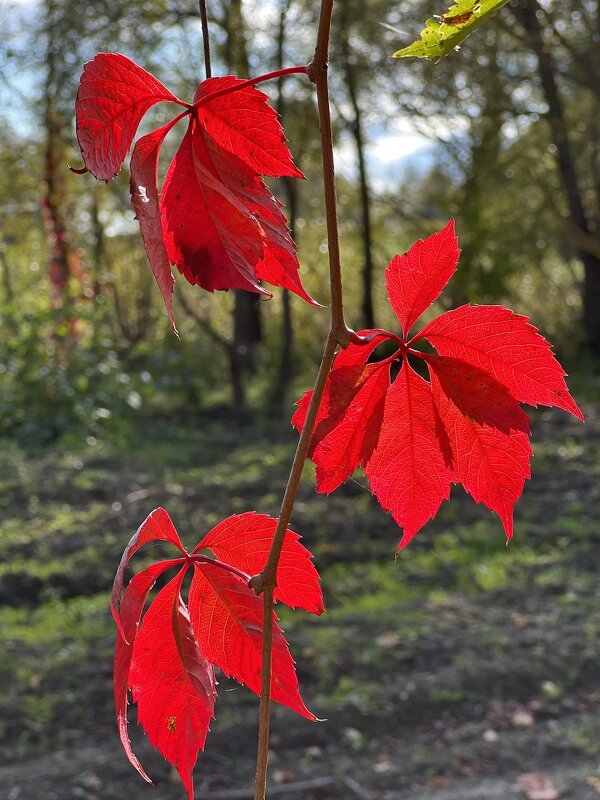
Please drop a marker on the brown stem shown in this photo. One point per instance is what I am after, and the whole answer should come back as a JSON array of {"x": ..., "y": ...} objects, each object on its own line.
[
  {"x": 339, "y": 334},
  {"x": 205, "y": 38}
]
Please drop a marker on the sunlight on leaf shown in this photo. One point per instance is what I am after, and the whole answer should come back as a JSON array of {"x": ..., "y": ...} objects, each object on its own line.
[{"x": 443, "y": 33}]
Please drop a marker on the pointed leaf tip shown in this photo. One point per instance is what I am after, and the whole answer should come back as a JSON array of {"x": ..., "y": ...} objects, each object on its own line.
[{"x": 416, "y": 279}]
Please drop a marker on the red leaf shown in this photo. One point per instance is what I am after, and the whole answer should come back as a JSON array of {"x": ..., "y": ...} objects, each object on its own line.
[
  {"x": 489, "y": 360},
  {"x": 156, "y": 526},
  {"x": 219, "y": 223},
  {"x": 114, "y": 94},
  {"x": 508, "y": 347},
  {"x": 212, "y": 239},
  {"x": 144, "y": 199},
  {"x": 172, "y": 682},
  {"x": 130, "y": 614},
  {"x": 222, "y": 227},
  {"x": 407, "y": 471},
  {"x": 343, "y": 383},
  {"x": 245, "y": 125},
  {"x": 478, "y": 395},
  {"x": 244, "y": 541},
  {"x": 492, "y": 465},
  {"x": 351, "y": 442},
  {"x": 227, "y": 617},
  {"x": 417, "y": 278}
]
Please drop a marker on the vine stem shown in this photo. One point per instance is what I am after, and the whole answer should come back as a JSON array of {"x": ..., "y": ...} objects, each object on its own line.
[
  {"x": 205, "y": 38},
  {"x": 339, "y": 335},
  {"x": 235, "y": 87}
]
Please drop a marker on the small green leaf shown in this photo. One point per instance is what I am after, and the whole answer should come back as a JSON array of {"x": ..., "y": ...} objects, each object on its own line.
[{"x": 442, "y": 34}]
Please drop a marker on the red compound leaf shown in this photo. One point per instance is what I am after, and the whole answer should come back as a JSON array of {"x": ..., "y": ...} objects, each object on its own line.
[
  {"x": 166, "y": 658},
  {"x": 464, "y": 425},
  {"x": 244, "y": 541},
  {"x": 215, "y": 219}
]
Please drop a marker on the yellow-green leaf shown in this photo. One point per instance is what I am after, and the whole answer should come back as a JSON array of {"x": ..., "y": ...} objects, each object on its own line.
[{"x": 442, "y": 34}]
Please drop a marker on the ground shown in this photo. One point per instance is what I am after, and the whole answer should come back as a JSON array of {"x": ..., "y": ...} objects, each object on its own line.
[{"x": 444, "y": 674}]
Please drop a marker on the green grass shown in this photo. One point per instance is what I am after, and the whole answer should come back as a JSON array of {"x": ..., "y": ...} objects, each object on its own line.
[{"x": 456, "y": 619}]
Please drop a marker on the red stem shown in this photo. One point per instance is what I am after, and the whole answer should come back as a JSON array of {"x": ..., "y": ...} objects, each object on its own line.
[
  {"x": 195, "y": 558},
  {"x": 235, "y": 87}
]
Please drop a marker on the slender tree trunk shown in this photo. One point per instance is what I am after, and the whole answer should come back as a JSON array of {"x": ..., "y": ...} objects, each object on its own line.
[
  {"x": 285, "y": 370},
  {"x": 482, "y": 172},
  {"x": 247, "y": 328},
  {"x": 54, "y": 182},
  {"x": 567, "y": 171},
  {"x": 7, "y": 286},
  {"x": 356, "y": 129}
]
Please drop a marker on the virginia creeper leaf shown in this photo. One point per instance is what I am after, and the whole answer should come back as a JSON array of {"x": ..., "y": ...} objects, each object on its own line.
[
  {"x": 244, "y": 541},
  {"x": 442, "y": 34},
  {"x": 172, "y": 682},
  {"x": 471, "y": 429},
  {"x": 219, "y": 223},
  {"x": 156, "y": 526},
  {"x": 130, "y": 614},
  {"x": 342, "y": 385},
  {"x": 228, "y": 621},
  {"x": 478, "y": 395},
  {"x": 507, "y": 346},
  {"x": 145, "y": 202},
  {"x": 407, "y": 472},
  {"x": 167, "y": 661},
  {"x": 245, "y": 125},
  {"x": 212, "y": 239},
  {"x": 416, "y": 279},
  {"x": 492, "y": 465},
  {"x": 114, "y": 94}
]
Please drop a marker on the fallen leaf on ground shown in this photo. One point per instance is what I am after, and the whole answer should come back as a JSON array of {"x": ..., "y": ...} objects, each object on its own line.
[{"x": 537, "y": 786}]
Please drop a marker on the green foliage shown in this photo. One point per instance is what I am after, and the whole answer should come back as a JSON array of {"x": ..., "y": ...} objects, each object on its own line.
[{"x": 443, "y": 34}]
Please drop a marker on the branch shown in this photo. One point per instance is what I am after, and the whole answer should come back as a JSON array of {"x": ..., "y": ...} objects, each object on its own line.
[
  {"x": 205, "y": 38},
  {"x": 203, "y": 323},
  {"x": 339, "y": 334},
  {"x": 297, "y": 786}
]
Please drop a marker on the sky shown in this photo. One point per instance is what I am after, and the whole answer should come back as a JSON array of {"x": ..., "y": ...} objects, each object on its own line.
[{"x": 389, "y": 151}]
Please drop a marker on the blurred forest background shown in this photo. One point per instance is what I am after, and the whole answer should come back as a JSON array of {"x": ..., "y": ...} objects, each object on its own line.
[{"x": 105, "y": 414}]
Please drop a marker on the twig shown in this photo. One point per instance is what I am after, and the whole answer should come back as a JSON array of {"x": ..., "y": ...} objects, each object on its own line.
[
  {"x": 205, "y": 38},
  {"x": 284, "y": 788},
  {"x": 339, "y": 335},
  {"x": 298, "y": 786}
]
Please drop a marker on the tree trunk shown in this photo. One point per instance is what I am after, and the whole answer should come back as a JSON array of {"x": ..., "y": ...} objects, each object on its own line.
[
  {"x": 356, "y": 129},
  {"x": 566, "y": 168},
  {"x": 53, "y": 201},
  {"x": 285, "y": 370},
  {"x": 246, "y": 313}
]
